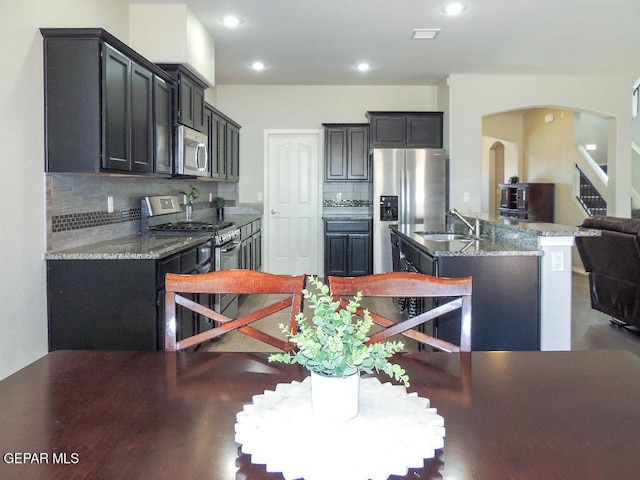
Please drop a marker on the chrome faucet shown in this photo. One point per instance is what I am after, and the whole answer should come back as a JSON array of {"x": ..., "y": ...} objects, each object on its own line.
[{"x": 473, "y": 229}]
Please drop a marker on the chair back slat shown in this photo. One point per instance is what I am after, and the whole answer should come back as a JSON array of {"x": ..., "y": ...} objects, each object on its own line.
[
  {"x": 231, "y": 282},
  {"x": 412, "y": 285}
]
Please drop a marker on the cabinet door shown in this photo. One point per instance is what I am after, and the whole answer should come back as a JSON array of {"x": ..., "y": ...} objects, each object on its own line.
[
  {"x": 257, "y": 251},
  {"x": 358, "y": 153},
  {"x": 336, "y": 246},
  {"x": 163, "y": 125},
  {"x": 232, "y": 152},
  {"x": 359, "y": 255},
  {"x": 425, "y": 130},
  {"x": 117, "y": 70},
  {"x": 336, "y": 153},
  {"x": 186, "y": 109},
  {"x": 388, "y": 130},
  {"x": 199, "y": 114},
  {"x": 142, "y": 149},
  {"x": 222, "y": 148},
  {"x": 212, "y": 131}
]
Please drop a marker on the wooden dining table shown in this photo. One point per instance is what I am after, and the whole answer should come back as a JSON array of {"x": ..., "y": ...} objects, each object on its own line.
[{"x": 161, "y": 415}]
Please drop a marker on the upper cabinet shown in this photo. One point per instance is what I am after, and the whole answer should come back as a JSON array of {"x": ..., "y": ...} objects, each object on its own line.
[
  {"x": 191, "y": 105},
  {"x": 346, "y": 151},
  {"x": 224, "y": 145},
  {"x": 406, "y": 129},
  {"x": 106, "y": 107}
]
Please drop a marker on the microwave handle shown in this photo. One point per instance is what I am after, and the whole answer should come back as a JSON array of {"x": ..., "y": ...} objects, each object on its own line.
[{"x": 203, "y": 147}]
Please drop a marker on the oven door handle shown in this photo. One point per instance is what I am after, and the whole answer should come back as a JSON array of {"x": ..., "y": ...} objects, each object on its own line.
[{"x": 232, "y": 246}]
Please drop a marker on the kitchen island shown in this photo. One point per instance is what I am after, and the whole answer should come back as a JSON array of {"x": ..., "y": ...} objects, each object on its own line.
[{"x": 521, "y": 278}]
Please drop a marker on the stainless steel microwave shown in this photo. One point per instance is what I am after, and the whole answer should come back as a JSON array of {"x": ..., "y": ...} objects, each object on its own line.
[{"x": 192, "y": 153}]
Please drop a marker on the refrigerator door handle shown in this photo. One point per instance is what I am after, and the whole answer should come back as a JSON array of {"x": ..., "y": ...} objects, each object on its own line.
[{"x": 406, "y": 193}]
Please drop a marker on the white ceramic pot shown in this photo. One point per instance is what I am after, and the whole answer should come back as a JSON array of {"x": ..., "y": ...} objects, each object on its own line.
[{"x": 335, "y": 399}]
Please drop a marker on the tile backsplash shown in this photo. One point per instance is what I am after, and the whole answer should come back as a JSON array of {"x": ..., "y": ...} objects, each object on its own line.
[
  {"x": 77, "y": 204},
  {"x": 347, "y": 198}
]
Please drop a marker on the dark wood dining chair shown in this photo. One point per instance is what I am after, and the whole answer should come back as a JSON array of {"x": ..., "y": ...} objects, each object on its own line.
[
  {"x": 178, "y": 286},
  {"x": 451, "y": 294}
]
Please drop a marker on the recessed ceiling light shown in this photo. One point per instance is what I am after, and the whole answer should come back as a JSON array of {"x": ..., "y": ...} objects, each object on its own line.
[
  {"x": 231, "y": 21},
  {"x": 454, "y": 8},
  {"x": 363, "y": 67},
  {"x": 258, "y": 66},
  {"x": 425, "y": 33}
]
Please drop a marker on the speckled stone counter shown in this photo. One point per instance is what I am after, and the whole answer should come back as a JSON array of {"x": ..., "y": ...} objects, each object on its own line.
[
  {"x": 347, "y": 217},
  {"x": 132, "y": 247},
  {"x": 148, "y": 246},
  {"x": 483, "y": 246},
  {"x": 498, "y": 237}
]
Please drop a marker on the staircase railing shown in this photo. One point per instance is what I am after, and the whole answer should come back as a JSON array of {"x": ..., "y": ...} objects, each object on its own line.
[{"x": 588, "y": 195}]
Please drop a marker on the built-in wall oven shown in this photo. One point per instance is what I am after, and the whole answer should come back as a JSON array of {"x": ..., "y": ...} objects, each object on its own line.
[{"x": 225, "y": 237}]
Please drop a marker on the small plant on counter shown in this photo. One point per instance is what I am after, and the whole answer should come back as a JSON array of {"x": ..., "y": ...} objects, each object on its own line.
[
  {"x": 219, "y": 201},
  {"x": 334, "y": 344},
  {"x": 192, "y": 195}
]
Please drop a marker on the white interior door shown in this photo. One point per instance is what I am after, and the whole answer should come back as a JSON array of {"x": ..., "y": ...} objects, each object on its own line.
[{"x": 293, "y": 202}]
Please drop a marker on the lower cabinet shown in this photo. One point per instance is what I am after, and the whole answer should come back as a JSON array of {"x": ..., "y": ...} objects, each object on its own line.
[
  {"x": 251, "y": 245},
  {"x": 505, "y": 305},
  {"x": 118, "y": 304},
  {"x": 348, "y": 248}
]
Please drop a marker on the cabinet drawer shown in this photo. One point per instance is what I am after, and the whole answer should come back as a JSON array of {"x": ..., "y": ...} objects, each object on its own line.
[{"x": 348, "y": 226}]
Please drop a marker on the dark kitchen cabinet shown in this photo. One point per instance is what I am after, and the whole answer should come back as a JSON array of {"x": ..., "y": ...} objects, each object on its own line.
[
  {"x": 191, "y": 105},
  {"x": 251, "y": 245},
  {"x": 527, "y": 202},
  {"x": 505, "y": 302},
  {"x": 224, "y": 145},
  {"x": 348, "y": 248},
  {"x": 119, "y": 304},
  {"x": 100, "y": 104},
  {"x": 346, "y": 152},
  {"x": 163, "y": 125},
  {"x": 406, "y": 129}
]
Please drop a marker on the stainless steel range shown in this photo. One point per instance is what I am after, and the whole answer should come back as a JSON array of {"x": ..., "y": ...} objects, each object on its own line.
[{"x": 161, "y": 214}]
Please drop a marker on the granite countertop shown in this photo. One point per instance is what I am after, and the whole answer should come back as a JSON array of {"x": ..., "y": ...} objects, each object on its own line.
[
  {"x": 150, "y": 246},
  {"x": 537, "y": 228},
  {"x": 347, "y": 217},
  {"x": 480, "y": 247}
]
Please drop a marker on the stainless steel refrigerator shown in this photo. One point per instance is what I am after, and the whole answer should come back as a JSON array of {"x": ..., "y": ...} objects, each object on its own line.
[{"x": 409, "y": 188}]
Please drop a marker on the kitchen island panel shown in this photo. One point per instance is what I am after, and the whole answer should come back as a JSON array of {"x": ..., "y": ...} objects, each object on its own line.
[{"x": 505, "y": 312}]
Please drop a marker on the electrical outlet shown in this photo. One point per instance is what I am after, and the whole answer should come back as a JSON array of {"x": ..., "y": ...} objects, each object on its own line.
[
  {"x": 110, "y": 204},
  {"x": 557, "y": 261}
]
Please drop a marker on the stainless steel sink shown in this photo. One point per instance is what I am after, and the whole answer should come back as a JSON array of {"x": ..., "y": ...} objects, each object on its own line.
[{"x": 443, "y": 236}]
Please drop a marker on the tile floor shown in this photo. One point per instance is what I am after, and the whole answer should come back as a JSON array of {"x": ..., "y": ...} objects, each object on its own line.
[{"x": 590, "y": 328}]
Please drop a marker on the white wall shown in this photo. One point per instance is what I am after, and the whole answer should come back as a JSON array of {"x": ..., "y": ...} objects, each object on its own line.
[
  {"x": 23, "y": 292},
  {"x": 474, "y": 96},
  {"x": 172, "y": 34},
  {"x": 257, "y": 108}
]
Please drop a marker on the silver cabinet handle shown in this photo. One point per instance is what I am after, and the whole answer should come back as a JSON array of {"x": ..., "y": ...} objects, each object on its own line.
[{"x": 273, "y": 212}]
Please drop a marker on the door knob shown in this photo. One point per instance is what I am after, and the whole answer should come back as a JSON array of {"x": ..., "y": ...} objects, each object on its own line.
[{"x": 273, "y": 212}]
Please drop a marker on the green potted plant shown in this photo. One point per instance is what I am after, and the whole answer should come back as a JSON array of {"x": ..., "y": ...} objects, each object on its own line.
[
  {"x": 332, "y": 346},
  {"x": 191, "y": 196}
]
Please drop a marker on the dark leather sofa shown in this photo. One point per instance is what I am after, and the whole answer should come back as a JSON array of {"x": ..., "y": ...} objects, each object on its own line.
[{"x": 613, "y": 263}]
